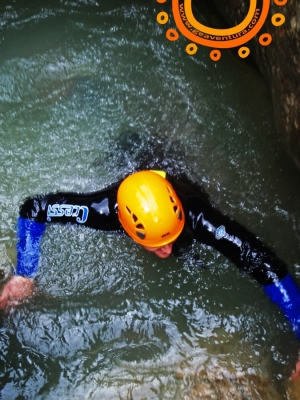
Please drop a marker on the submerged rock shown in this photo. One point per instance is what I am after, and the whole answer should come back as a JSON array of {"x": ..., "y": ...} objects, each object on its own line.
[
  {"x": 293, "y": 389},
  {"x": 222, "y": 384}
]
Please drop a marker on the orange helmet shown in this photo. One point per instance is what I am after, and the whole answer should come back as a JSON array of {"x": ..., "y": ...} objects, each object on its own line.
[{"x": 149, "y": 209}]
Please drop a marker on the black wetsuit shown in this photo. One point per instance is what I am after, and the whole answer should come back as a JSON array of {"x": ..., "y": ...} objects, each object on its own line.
[{"x": 204, "y": 224}]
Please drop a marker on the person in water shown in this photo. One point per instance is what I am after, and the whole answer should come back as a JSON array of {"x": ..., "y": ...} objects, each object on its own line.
[{"x": 162, "y": 214}]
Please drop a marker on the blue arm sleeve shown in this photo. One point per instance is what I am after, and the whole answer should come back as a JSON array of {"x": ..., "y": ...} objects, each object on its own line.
[
  {"x": 29, "y": 235},
  {"x": 286, "y": 294}
]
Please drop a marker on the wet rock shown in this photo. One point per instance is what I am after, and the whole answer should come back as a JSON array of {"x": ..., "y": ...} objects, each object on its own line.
[
  {"x": 278, "y": 62},
  {"x": 222, "y": 384}
]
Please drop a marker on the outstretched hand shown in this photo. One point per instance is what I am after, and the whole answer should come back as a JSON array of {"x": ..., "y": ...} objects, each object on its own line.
[{"x": 16, "y": 289}]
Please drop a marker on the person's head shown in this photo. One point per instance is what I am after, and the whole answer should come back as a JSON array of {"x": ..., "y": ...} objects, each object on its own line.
[{"x": 150, "y": 211}]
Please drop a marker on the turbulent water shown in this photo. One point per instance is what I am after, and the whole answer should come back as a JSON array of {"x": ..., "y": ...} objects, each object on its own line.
[{"x": 89, "y": 90}]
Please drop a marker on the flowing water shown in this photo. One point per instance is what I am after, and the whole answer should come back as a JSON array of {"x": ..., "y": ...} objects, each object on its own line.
[{"x": 88, "y": 89}]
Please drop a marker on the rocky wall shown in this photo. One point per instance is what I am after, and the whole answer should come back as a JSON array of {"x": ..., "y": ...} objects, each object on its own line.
[{"x": 279, "y": 63}]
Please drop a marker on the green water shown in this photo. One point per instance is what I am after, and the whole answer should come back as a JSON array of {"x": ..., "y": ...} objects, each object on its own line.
[{"x": 109, "y": 320}]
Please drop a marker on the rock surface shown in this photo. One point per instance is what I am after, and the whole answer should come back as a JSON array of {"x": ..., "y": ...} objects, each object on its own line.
[{"x": 278, "y": 62}]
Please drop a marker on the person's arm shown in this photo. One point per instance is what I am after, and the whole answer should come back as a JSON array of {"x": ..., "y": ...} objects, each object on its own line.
[
  {"x": 96, "y": 210},
  {"x": 249, "y": 254}
]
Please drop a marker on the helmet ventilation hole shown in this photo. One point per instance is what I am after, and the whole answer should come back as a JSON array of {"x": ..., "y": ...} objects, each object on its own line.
[
  {"x": 141, "y": 235},
  {"x": 179, "y": 215},
  {"x": 141, "y": 232},
  {"x": 178, "y": 212},
  {"x": 134, "y": 217}
]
